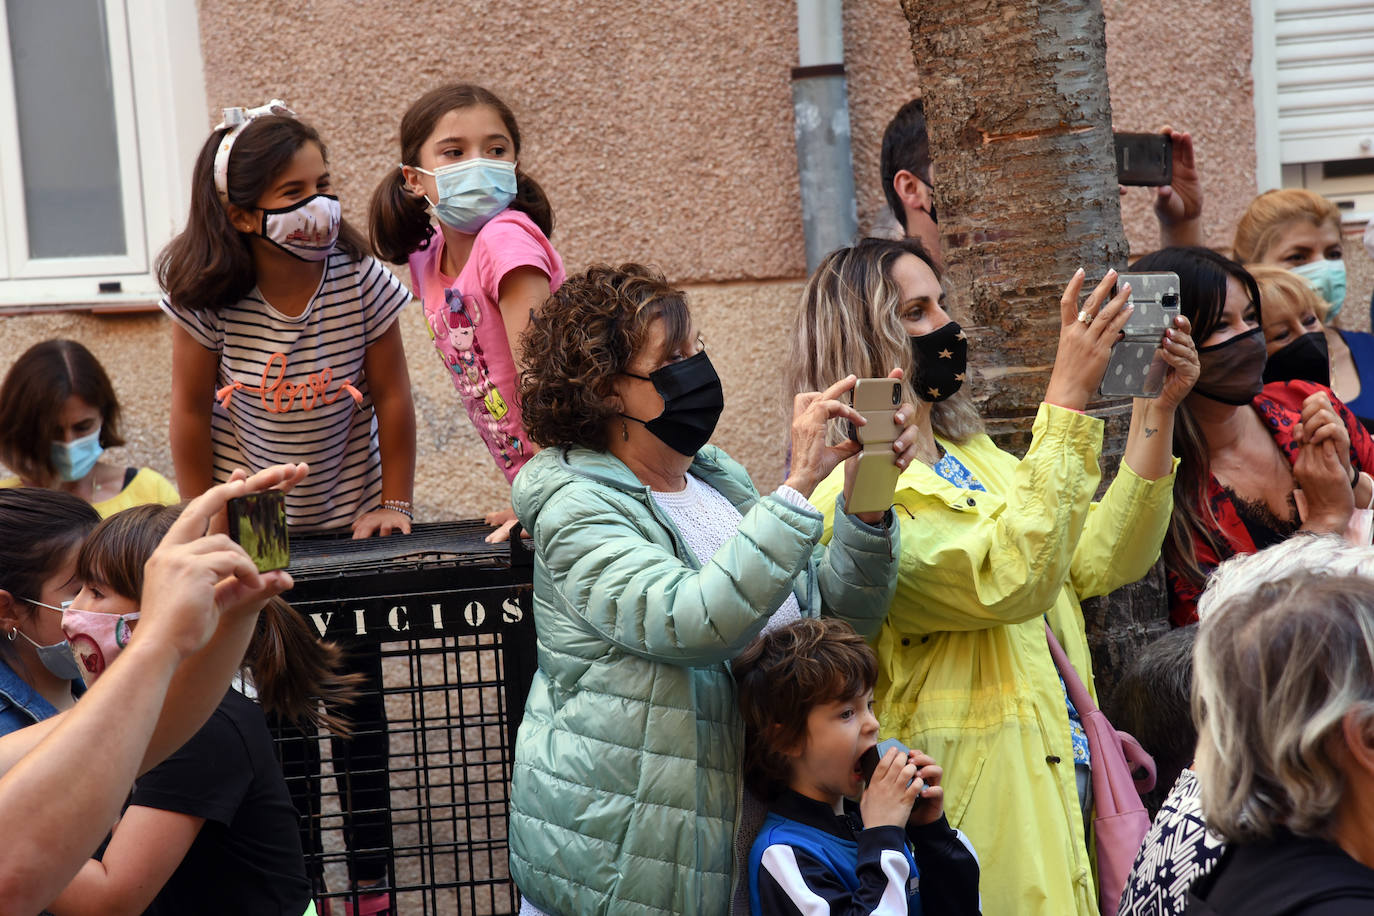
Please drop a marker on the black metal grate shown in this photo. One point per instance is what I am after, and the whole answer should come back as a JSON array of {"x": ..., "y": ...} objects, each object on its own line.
[{"x": 443, "y": 621}]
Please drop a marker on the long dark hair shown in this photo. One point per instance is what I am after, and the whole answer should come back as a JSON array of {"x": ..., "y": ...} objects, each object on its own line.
[
  {"x": 292, "y": 670},
  {"x": 210, "y": 264},
  {"x": 32, "y": 396},
  {"x": 38, "y": 531},
  {"x": 398, "y": 221},
  {"x": 1202, "y": 275}
]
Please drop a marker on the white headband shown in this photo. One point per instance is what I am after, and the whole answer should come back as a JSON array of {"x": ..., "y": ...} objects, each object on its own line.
[{"x": 237, "y": 119}]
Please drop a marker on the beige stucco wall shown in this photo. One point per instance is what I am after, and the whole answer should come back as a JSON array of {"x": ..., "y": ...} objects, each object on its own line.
[{"x": 662, "y": 132}]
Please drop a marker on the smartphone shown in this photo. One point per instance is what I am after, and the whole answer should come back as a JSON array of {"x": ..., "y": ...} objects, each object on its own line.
[
  {"x": 257, "y": 523},
  {"x": 1136, "y": 368},
  {"x": 869, "y": 761},
  {"x": 1144, "y": 159},
  {"x": 875, "y": 480}
]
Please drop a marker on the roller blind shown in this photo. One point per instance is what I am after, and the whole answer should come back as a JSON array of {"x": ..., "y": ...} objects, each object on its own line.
[{"x": 1324, "y": 56}]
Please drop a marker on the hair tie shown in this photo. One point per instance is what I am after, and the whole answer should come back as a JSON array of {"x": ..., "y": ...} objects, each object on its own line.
[{"x": 236, "y": 119}]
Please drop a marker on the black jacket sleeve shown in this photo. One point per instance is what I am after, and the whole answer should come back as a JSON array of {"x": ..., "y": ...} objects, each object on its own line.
[
  {"x": 791, "y": 880},
  {"x": 949, "y": 870}
]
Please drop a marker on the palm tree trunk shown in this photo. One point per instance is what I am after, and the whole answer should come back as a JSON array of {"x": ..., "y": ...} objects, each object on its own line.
[{"x": 1020, "y": 119}]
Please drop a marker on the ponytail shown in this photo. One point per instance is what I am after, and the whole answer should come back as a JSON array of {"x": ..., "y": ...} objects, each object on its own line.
[
  {"x": 531, "y": 200},
  {"x": 296, "y": 674},
  {"x": 398, "y": 221}
]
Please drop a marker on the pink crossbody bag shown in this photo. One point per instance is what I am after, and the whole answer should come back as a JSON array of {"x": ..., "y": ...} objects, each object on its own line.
[{"x": 1119, "y": 818}]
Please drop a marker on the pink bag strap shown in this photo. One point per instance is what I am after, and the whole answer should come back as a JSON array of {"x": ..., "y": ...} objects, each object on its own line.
[
  {"x": 1141, "y": 764},
  {"x": 1078, "y": 692}
]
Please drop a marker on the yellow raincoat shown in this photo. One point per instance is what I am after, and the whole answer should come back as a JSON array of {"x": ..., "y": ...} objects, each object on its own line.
[{"x": 964, "y": 672}]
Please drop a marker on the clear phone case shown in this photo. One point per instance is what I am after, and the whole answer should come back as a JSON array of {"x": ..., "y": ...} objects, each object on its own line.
[{"x": 1136, "y": 368}]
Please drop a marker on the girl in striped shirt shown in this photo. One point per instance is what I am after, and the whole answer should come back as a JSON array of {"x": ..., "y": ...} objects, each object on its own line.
[
  {"x": 285, "y": 345},
  {"x": 286, "y": 349}
]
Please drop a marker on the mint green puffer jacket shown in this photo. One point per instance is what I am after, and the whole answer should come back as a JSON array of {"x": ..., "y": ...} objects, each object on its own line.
[{"x": 628, "y": 762}]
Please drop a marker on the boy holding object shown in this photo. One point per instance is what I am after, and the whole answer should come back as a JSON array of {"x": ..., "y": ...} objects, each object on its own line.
[{"x": 805, "y": 693}]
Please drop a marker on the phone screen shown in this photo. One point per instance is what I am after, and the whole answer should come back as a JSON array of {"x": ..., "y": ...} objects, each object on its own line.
[{"x": 257, "y": 523}]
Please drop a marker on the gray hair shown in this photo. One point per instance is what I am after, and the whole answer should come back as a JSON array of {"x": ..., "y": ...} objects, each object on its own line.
[
  {"x": 1277, "y": 668},
  {"x": 1328, "y": 553}
]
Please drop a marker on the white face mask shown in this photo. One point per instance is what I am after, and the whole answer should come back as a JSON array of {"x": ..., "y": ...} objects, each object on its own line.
[{"x": 306, "y": 230}]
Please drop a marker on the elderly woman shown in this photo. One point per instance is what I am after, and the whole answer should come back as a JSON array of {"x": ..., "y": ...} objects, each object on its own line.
[
  {"x": 656, "y": 562},
  {"x": 1301, "y": 347},
  {"x": 1286, "y": 751},
  {"x": 992, "y": 548},
  {"x": 1180, "y": 848}
]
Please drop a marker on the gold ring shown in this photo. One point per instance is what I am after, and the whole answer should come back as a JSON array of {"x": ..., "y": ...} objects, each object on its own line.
[{"x": 1084, "y": 317}]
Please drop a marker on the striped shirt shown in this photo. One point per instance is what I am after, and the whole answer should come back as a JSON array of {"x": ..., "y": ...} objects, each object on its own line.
[{"x": 293, "y": 389}]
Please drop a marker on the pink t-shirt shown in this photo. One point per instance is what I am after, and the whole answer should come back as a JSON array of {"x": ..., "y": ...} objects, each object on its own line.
[{"x": 464, "y": 318}]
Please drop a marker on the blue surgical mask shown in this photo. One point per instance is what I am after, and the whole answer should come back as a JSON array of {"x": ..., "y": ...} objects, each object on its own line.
[
  {"x": 471, "y": 192},
  {"x": 75, "y": 459},
  {"x": 1327, "y": 277},
  {"x": 58, "y": 657}
]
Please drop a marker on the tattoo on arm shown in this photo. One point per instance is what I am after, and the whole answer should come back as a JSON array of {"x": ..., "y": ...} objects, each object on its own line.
[{"x": 1150, "y": 432}]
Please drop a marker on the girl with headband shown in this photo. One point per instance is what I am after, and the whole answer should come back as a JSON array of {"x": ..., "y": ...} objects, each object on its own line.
[{"x": 286, "y": 348}]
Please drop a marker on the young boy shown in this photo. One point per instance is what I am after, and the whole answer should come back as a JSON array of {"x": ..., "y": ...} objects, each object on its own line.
[{"x": 805, "y": 692}]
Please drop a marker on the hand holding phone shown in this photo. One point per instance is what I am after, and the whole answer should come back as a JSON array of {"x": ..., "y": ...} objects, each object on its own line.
[
  {"x": 1136, "y": 368},
  {"x": 1144, "y": 159},
  {"x": 875, "y": 478},
  {"x": 257, "y": 523}
]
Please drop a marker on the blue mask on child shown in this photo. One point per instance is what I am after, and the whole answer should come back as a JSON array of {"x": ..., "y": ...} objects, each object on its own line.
[
  {"x": 1327, "y": 277},
  {"x": 471, "y": 192},
  {"x": 58, "y": 657},
  {"x": 74, "y": 460}
]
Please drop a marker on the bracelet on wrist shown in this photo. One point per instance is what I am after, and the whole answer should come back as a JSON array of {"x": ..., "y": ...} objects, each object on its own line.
[{"x": 402, "y": 506}]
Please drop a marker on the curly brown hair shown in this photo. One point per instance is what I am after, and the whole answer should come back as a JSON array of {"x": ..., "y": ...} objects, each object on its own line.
[
  {"x": 782, "y": 676},
  {"x": 586, "y": 334}
]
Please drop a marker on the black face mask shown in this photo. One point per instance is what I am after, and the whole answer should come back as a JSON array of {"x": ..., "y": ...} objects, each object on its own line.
[
  {"x": 941, "y": 359},
  {"x": 1233, "y": 370},
  {"x": 692, "y": 402},
  {"x": 1305, "y": 359}
]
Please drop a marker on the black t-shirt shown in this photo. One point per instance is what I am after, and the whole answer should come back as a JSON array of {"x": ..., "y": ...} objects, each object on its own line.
[{"x": 247, "y": 857}]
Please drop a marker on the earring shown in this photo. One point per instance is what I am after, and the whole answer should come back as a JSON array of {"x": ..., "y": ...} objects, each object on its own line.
[
  {"x": 14, "y": 631},
  {"x": 624, "y": 437}
]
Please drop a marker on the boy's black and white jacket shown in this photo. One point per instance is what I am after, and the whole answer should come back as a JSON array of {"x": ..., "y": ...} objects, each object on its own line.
[{"x": 807, "y": 860}]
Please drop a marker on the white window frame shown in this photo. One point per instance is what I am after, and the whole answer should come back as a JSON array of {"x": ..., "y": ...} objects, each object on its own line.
[
  {"x": 1270, "y": 170},
  {"x": 158, "y": 78}
]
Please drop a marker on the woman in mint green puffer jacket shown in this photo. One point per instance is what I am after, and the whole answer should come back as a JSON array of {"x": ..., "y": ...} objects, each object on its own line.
[{"x": 656, "y": 562}]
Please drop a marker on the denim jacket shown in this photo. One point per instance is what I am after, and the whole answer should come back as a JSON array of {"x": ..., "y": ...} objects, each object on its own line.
[{"x": 20, "y": 704}]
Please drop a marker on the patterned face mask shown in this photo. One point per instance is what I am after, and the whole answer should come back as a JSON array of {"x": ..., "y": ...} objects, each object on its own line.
[
  {"x": 96, "y": 638},
  {"x": 306, "y": 230},
  {"x": 941, "y": 359}
]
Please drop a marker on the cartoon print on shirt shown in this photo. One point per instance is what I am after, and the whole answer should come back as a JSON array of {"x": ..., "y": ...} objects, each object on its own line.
[{"x": 463, "y": 357}]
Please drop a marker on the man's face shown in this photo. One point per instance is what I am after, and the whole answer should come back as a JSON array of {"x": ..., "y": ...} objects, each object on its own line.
[{"x": 920, "y": 215}]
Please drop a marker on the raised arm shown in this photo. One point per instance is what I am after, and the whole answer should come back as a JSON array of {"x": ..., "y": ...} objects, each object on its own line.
[
  {"x": 1178, "y": 205},
  {"x": 202, "y": 597}
]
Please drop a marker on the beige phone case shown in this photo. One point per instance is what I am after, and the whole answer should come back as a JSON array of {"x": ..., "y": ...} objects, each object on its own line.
[
  {"x": 876, "y": 478},
  {"x": 875, "y": 481}
]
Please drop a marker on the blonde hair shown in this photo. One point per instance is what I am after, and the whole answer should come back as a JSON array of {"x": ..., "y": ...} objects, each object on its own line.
[
  {"x": 1278, "y": 284},
  {"x": 849, "y": 321},
  {"x": 1268, "y": 728},
  {"x": 1272, "y": 212}
]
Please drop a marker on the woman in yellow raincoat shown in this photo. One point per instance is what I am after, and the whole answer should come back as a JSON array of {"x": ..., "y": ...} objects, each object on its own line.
[{"x": 992, "y": 547}]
